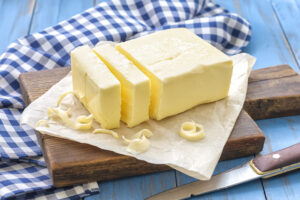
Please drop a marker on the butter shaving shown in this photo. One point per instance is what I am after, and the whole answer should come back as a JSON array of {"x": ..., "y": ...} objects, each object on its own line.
[
  {"x": 106, "y": 131},
  {"x": 85, "y": 119},
  {"x": 82, "y": 123},
  {"x": 192, "y": 131},
  {"x": 42, "y": 121},
  {"x": 145, "y": 132},
  {"x": 64, "y": 115},
  {"x": 63, "y": 96},
  {"x": 139, "y": 142}
]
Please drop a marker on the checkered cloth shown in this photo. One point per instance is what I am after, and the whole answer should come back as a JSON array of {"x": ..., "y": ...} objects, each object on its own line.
[{"x": 22, "y": 175}]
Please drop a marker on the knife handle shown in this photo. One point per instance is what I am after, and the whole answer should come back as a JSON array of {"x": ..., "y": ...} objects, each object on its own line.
[{"x": 278, "y": 162}]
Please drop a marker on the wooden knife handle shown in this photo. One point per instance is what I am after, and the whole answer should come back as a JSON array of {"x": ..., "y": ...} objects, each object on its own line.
[{"x": 276, "y": 160}]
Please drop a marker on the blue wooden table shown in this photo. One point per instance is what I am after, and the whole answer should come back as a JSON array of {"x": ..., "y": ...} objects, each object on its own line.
[{"x": 275, "y": 40}]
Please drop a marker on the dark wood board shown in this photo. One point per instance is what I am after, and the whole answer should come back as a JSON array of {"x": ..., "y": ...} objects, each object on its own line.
[
  {"x": 71, "y": 162},
  {"x": 273, "y": 92}
]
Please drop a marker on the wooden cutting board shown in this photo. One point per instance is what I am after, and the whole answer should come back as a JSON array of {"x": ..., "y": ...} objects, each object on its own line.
[{"x": 272, "y": 92}]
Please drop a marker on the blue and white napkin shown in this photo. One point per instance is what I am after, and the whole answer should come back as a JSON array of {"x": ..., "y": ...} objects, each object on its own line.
[{"x": 22, "y": 170}]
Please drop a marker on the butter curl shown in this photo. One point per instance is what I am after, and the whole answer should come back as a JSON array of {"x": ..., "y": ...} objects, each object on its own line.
[
  {"x": 192, "y": 131},
  {"x": 139, "y": 142}
]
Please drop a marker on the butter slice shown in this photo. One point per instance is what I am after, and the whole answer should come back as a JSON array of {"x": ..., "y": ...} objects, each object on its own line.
[
  {"x": 96, "y": 87},
  {"x": 135, "y": 86},
  {"x": 184, "y": 70}
]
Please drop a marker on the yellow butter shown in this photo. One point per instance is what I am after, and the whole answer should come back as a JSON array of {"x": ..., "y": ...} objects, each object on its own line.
[
  {"x": 96, "y": 87},
  {"x": 106, "y": 131},
  {"x": 139, "y": 142},
  {"x": 135, "y": 86},
  {"x": 184, "y": 70},
  {"x": 192, "y": 131}
]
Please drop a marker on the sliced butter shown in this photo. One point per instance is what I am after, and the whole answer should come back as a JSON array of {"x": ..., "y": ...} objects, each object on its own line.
[
  {"x": 135, "y": 86},
  {"x": 96, "y": 87},
  {"x": 184, "y": 70}
]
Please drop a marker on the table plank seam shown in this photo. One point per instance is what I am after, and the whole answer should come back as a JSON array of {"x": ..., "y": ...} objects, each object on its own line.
[
  {"x": 31, "y": 19},
  {"x": 284, "y": 37}
]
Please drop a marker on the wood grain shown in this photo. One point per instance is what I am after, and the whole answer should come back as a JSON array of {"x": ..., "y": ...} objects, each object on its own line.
[
  {"x": 15, "y": 18},
  {"x": 273, "y": 92},
  {"x": 43, "y": 80},
  {"x": 283, "y": 132},
  {"x": 268, "y": 42},
  {"x": 288, "y": 13},
  {"x": 49, "y": 13},
  {"x": 71, "y": 162}
]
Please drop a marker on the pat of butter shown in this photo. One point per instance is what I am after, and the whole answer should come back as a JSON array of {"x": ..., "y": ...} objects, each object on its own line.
[
  {"x": 135, "y": 86},
  {"x": 96, "y": 87},
  {"x": 184, "y": 70}
]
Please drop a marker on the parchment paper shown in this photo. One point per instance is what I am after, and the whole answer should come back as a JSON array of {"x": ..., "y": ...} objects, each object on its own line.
[{"x": 197, "y": 159}]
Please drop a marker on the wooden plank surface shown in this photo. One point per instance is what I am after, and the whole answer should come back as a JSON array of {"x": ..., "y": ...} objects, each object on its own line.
[
  {"x": 284, "y": 131},
  {"x": 138, "y": 187},
  {"x": 273, "y": 93},
  {"x": 49, "y": 13},
  {"x": 15, "y": 18},
  {"x": 288, "y": 14},
  {"x": 86, "y": 163},
  {"x": 268, "y": 42},
  {"x": 96, "y": 2}
]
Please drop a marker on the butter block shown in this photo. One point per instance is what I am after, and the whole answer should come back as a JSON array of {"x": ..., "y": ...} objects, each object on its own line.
[
  {"x": 135, "y": 86},
  {"x": 184, "y": 70},
  {"x": 96, "y": 87}
]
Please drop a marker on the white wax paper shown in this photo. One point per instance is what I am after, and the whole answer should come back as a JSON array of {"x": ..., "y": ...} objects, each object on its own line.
[{"x": 197, "y": 159}]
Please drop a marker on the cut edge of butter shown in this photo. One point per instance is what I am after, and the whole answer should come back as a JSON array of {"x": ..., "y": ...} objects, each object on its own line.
[
  {"x": 155, "y": 84},
  {"x": 96, "y": 87},
  {"x": 135, "y": 85}
]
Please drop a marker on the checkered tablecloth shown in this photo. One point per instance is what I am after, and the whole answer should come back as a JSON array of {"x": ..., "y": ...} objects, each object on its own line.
[{"x": 22, "y": 170}]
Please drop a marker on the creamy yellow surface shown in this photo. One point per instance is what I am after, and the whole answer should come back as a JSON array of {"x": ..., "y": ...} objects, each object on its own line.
[
  {"x": 96, "y": 87},
  {"x": 184, "y": 70},
  {"x": 135, "y": 86}
]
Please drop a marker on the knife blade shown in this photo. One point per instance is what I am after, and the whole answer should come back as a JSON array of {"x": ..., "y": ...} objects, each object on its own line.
[{"x": 264, "y": 166}]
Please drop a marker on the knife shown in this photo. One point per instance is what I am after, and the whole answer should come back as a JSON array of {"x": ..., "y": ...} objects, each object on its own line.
[{"x": 264, "y": 166}]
